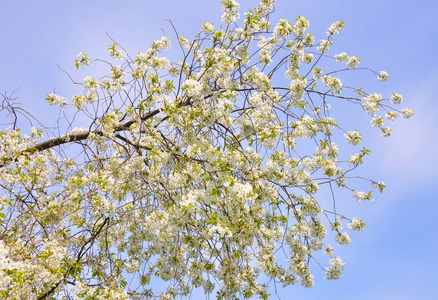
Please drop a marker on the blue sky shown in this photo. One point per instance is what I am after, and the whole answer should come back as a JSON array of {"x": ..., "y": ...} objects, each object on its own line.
[{"x": 395, "y": 257}]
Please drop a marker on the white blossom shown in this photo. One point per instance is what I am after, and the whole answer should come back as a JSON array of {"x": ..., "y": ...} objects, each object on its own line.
[
  {"x": 82, "y": 60},
  {"x": 383, "y": 76},
  {"x": 324, "y": 45},
  {"x": 297, "y": 89},
  {"x": 184, "y": 42},
  {"x": 207, "y": 28},
  {"x": 54, "y": 99},
  {"x": 90, "y": 83},
  {"x": 335, "y": 28},
  {"x": 117, "y": 54},
  {"x": 343, "y": 238},
  {"x": 333, "y": 83},
  {"x": 407, "y": 113},
  {"x": 353, "y": 62},
  {"x": 283, "y": 29},
  {"x": 334, "y": 272},
  {"x": 342, "y": 57},
  {"x": 391, "y": 115},
  {"x": 300, "y": 26},
  {"x": 356, "y": 224},
  {"x": 353, "y": 137},
  {"x": 396, "y": 98},
  {"x": 231, "y": 12},
  {"x": 192, "y": 87}
]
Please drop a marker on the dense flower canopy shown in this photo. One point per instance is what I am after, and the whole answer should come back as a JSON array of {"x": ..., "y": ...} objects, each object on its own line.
[{"x": 211, "y": 172}]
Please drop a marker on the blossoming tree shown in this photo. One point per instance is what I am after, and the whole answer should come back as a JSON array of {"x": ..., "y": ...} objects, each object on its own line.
[{"x": 210, "y": 173}]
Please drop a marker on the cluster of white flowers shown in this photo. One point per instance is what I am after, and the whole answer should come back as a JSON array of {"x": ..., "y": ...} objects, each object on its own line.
[
  {"x": 24, "y": 279},
  {"x": 329, "y": 123},
  {"x": 296, "y": 56},
  {"x": 377, "y": 121},
  {"x": 132, "y": 266},
  {"x": 109, "y": 124},
  {"x": 333, "y": 83},
  {"x": 82, "y": 60},
  {"x": 192, "y": 87},
  {"x": 391, "y": 115},
  {"x": 111, "y": 291},
  {"x": 336, "y": 225},
  {"x": 300, "y": 26},
  {"x": 288, "y": 141},
  {"x": 343, "y": 238},
  {"x": 78, "y": 130},
  {"x": 258, "y": 79},
  {"x": 342, "y": 57},
  {"x": 356, "y": 224},
  {"x": 304, "y": 128},
  {"x": 386, "y": 132},
  {"x": 79, "y": 101},
  {"x": 54, "y": 99},
  {"x": 353, "y": 137},
  {"x": 407, "y": 113},
  {"x": 161, "y": 44},
  {"x": 117, "y": 54},
  {"x": 396, "y": 98},
  {"x": 372, "y": 102},
  {"x": 308, "y": 58},
  {"x": 324, "y": 45},
  {"x": 184, "y": 42},
  {"x": 266, "y": 43},
  {"x": 207, "y": 28},
  {"x": 8, "y": 266},
  {"x": 283, "y": 29},
  {"x": 309, "y": 163},
  {"x": 317, "y": 74},
  {"x": 383, "y": 76},
  {"x": 265, "y": 58},
  {"x": 361, "y": 196},
  {"x": 231, "y": 12},
  {"x": 327, "y": 149},
  {"x": 117, "y": 82},
  {"x": 148, "y": 60},
  {"x": 90, "y": 83},
  {"x": 335, "y": 28},
  {"x": 334, "y": 272},
  {"x": 160, "y": 63},
  {"x": 297, "y": 89},
  {"x": 354, "y": 160},
  {"x": 242, "y": 54},
  {"x": 220, "y": 230},
  {"x": 329, "y": 251},
  {"x": 353, "y": 62}
]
